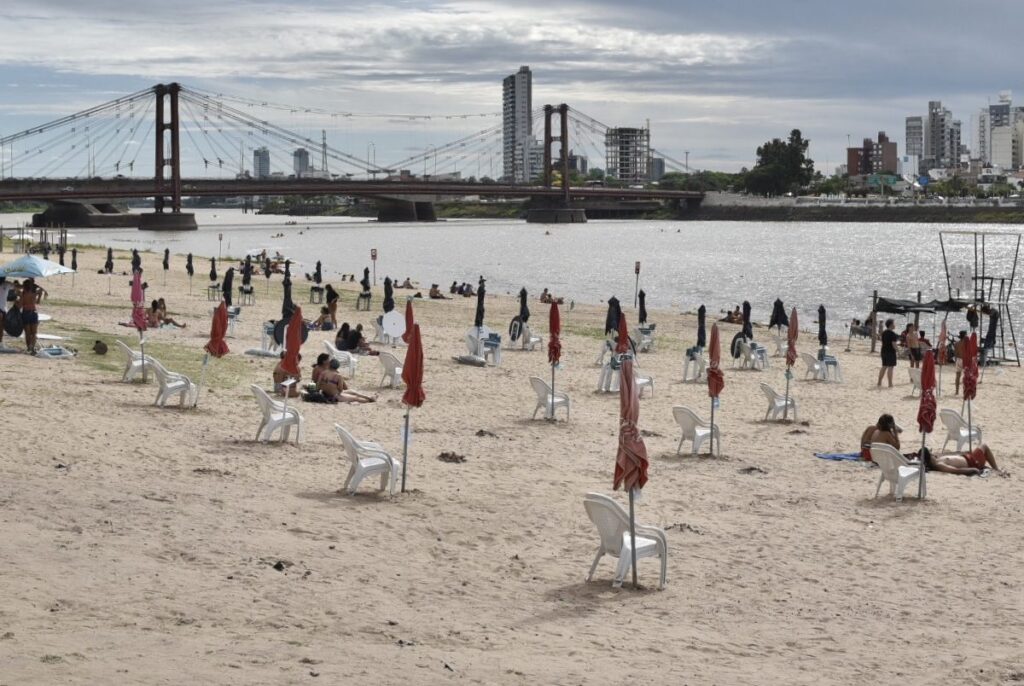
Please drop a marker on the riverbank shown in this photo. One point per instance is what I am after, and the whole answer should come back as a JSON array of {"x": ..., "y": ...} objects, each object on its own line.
[{"x": 918, "y": 214}]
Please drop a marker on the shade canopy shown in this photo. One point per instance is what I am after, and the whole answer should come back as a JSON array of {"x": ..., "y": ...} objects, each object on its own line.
[
  {"x": 702, "y": 314},
  {"x": 554, "y": 333},
  {"x": 822, "y": 333},
  {"x": 32, "y": 266},
  {"x": 643, "y": 306},
  {"x": 412, "y": 370},
  {"x": 217, "y": 346}
]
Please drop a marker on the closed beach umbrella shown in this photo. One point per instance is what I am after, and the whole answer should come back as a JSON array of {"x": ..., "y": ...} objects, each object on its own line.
[
  {"x": 926, "y": 411},
  {"x": 716, "y": 377},
  {"x": 554, "y": 346},
  {"x": 213, "y": 270},
  {"x": 943, "y": 356},
  {"x": 229, "y": 279},
  {"x": 136, "y": 260},
  {"x": 643, "y": 306},
  {"x": 778, "y": 318},
  {"x": 478, "y": 319},
  {"x": 46, "y": 251},
  {"x": 412, "y": 375},
  {"x": 247, "y": 271},
  {"x": 191, "y": 270},
  {"x": 74, "y": 259},
  {"x": 990, "y": 336},
  {"x": 287, "y": 306},
  {"x": 365, "y": 281},
  {"x": 292, "y": 343},
  {"x": 631, "y": 457},
  {"x": 216, "y": 346},
  {"x": 288, "y": 270},
  {"x": 268, "y": 269},
  {"x": 791, "y": 337},
  {"x": 139, "y": 314},
  {"x": 702, "y": 313},
  {"x": 318, "y": 274},
  {"x": 108, "y": 266},
  {"x": 60, "y": 254},
  {"x": 822, "y": 333},
  {"x": 611, "y": 320},
  {"x": 409, "y": 321},
  {"x": 970, "y": 381},
  {"x": 167, "y": 263},
  {"x": 524, "y": 309},
  {"x": 389, "y": 295},
  {"x": 748, "y": 328}
]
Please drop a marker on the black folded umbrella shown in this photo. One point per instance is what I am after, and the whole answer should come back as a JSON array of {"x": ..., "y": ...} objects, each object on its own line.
[
  {"x": 60, "y": 254},
  {"x": 136, "y": 260},
  {"x": 268, "y": 268},
  {"x": 247, "y": 271},
  {"x": 822, "y": 334},
  {"x": 318, "y": 274},
  {"x": 611, "y": 321},
  {"x": 229, "y": 279},
  {"x": 108, "y": 266},
  {"x": 643, "y": 307},
  {"x": 524, "y": 310},
  {"x": 287, "y": 306},
  {"x": 365, "y": 282},
  {"x": 46, "y": 251},
  {"x": 478, "y": 320},
  {"x": 389, "y": 295},
  {"x": 288, "y": 270},
  {"x": 779, "y": 317},
  {"x": 167, "y": 259},
  {"x": 213, "y": 270},
  {"x": 188, "y": 266},
  {"x": 74, "y": 259},
  {"x": 702, "y": 313},
  {"x": 748, "y": 328}
]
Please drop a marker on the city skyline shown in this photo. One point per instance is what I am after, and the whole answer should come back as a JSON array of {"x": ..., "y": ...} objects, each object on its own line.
[{"x": 717, "y": 81}]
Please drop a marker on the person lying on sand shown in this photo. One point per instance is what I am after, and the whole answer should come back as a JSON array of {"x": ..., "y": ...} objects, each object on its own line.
[{"x": 966, "y": 464}]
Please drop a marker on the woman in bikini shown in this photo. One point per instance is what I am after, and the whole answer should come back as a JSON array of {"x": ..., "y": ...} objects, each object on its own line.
[{"x": 330, "y": 383}]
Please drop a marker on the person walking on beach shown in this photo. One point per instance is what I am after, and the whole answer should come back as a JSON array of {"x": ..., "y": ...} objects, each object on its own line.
[
  {"x": 889, "y": 340},
  {"x": 958, "y": 355},
  {"x": 914, "y": 345},
  {"x": 5, "y": 288}
]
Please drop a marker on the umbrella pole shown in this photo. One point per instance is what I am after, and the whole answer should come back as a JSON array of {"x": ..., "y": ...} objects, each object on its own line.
[
  {"x": 405, "y": 446},
  {"x": 712, "y": 427},
  {"x": 632, "y": 535},
  {"x": 552, "y": 392},
  {"x": 108, "y": 283},
  {"x": 924, "y": 465},
  {"x": 849, "y": 338},
  {"x": 970, "y": 429},
  {"x": 938, "y": 390},
  {"x": 202, "y": 378},
  {"x": 785, "y": 409},
  {"x": 142, "y": 347},
  {"x": 190, "y": 284}
]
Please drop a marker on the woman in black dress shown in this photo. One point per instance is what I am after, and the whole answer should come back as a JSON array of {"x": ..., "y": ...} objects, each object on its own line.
[{"x": 889, "y": 340}]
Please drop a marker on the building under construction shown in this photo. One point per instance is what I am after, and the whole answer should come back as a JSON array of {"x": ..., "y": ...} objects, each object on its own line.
[{"x": 628, "y": 153}]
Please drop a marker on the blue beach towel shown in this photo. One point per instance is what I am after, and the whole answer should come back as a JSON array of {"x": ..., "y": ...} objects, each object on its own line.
[{"x": 839, "y": 457}]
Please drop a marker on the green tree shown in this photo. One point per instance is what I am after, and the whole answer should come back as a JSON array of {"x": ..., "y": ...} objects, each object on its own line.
[{"x": 781, "y": 166}]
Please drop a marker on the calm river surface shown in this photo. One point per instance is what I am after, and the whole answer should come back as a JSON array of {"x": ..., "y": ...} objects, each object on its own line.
[{"x": 683, "y": 264}]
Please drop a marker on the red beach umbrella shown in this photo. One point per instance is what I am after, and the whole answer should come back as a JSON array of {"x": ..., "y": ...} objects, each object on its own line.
[
  {"x": 554, "y": 346},
  {"x": 792, "y": 334},
  {"x": 622, "y": 346},
  {"x": 292, "y": 343},
  {"x": 409, "y": 321},
  {"x": 970, "y": 381},
  {"x": 716, "y": 377},
  {"x": 926, "y": 410},
  {"x": 216, "y": 346},
  {"x": 631, "y": 458},
  {"x": 412, "y": 375},
  {"x": 139, "y": 314},
  {"x": 943, "y": 356}
]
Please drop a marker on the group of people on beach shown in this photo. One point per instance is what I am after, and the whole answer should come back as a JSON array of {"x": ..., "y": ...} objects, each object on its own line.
[
  {"x": 914, "y": 343},
  {"x": 971, "y": 463},
  {"x": 18, "y": 302}
]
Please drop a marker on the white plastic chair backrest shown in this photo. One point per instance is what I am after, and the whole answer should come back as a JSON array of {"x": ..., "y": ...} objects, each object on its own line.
[
  {"x": 687, "y": 419},
  {"x": 915, "y": 375},
  {"x": 810, "y": 360},
  {"x": 128, "y": 351},
  {"x": 952, "y": 420},
  {"x": 888, "y": 460},
  {"x": 769, "y": 392},
  {"x": 609, "y": 518},
  {"x": 266, "y": 403},
  {"x": 473, "y": 343},
  {"x": 541, "y": 388},
  {"x": 390, "y": 362},
  {"x": 331, "y": 350},
  {"x": 348, "y": 441},
  {"x": 161, "y": 371}
]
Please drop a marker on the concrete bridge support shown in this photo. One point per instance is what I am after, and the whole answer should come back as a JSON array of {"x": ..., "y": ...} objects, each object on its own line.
[{"x": 401, "y": 210}]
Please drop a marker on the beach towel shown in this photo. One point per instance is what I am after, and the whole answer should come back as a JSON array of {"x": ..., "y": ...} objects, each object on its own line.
[{"x": 839, "y": 457}]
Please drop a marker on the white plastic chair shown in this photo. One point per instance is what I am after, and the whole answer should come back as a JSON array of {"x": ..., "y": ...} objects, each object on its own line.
[
  {"x": 957, "y": 430},
  {"x": 777, "y": 402},
  {"x": 894, "y": 468},
  {"x": 644, "y": 340},
  {"x": 276, "y": 415},
  {"x": 694, "y": 369},
  {"x": 606, "y": 347},
  {"x": 133, "y": 362},
  {"x": 608, "y": 381},
  {"x": 694, "y": 429},
  {"x": 752, "y": 356},
  {"x": 815, "y": 369},
  {"x": 367, "y": 459},
  {"x": 171, "y": 384},
  {"x": 378, "y": 333},
  {"x": 612, "y": 524},
  {"x": 781, "y": 343},
  {"x": 347, "y": 360},
  {"x": 392, "y": 370},
  {"x": 546, "y": 400},
  {"x": 527, "y": 340},
  {"x": 915, "y": 379}
]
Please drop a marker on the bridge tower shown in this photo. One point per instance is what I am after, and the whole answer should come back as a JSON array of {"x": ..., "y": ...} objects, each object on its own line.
[
  {"x": 167, "y": 133},
  {"x": 561, "y": 212}
]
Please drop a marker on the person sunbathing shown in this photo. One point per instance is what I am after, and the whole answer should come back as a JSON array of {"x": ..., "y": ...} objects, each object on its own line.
[
  {"x": 333, "y": 387},
  {"x": 966, "y": 464}
]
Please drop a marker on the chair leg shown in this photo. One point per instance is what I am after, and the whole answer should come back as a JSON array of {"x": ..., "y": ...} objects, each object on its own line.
[
  {"x": 622, "y": 569},
  {"x": 679, "y": 448},
  {"x": 881, "y": 478},
  {"x": 535, "y": 411},
  {"x": 597, "y": 558}
]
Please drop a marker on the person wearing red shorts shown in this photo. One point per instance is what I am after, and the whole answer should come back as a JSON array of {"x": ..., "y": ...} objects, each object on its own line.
[{"x": 967, "y": 464}]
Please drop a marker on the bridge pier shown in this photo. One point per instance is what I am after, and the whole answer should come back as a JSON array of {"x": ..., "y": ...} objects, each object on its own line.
[
  {"x": 168, "y": 221},
  {"x": 556, "y": 215},
  {"x": 400, "y": 210}
]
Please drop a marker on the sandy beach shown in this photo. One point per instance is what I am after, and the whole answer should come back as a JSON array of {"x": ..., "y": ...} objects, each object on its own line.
[{"x": 163, "y": 546}]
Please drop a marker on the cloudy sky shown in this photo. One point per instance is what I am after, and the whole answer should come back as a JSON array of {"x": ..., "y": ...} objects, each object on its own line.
[{"x": 714, "y": 78}]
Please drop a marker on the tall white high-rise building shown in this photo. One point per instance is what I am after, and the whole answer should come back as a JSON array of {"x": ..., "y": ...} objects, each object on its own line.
[
  {"x": 260, "y": 163},
  {"x": 517, "y": 126}
]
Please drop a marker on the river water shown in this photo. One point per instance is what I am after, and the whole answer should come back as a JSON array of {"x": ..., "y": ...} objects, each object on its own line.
[{"x": 683, "y": 264}]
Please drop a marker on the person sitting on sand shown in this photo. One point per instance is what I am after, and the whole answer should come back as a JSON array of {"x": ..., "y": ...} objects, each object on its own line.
[
  {"x": 323, "y": 360},
  {"x": 333, "y": 387},
  {"x": 323, "y": 322},
  {"x": 357, "y": 343},
  {"x": 435, "y": 293},
  {"x": 280, "y": 376},
  {"x": 157, "y": 315},
  {"x": 965, "y": 464},
  {"x": 546, "y": 297},
  {"x": 454, "y": 288},
  {"x": 468, "y": 291},
  {"x": 407, "y": 283}
]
